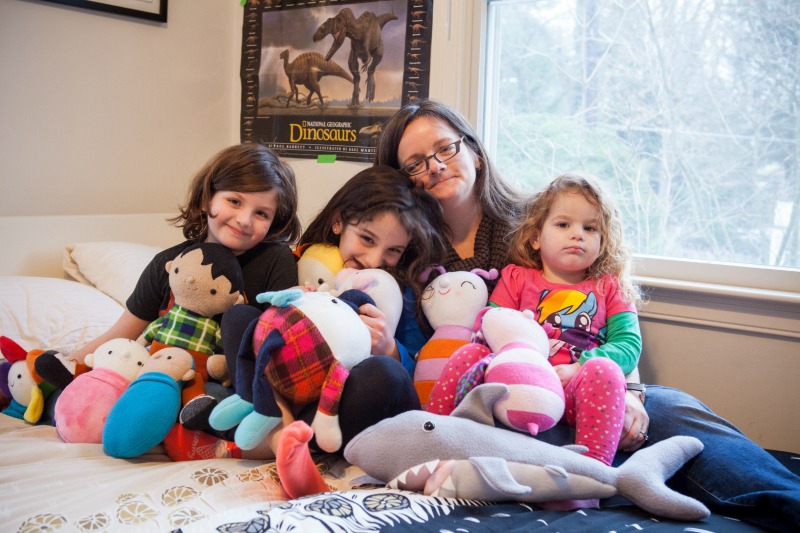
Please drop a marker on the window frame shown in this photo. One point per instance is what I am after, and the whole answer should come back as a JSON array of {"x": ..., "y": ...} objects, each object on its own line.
[{"x": 774, "y": 284}]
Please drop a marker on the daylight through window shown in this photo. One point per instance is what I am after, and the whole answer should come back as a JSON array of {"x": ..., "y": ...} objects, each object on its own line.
[{"x": 689, "y": 112}]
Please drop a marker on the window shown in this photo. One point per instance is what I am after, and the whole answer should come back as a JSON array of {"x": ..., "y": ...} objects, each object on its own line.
[{"x": 688, "y": 111}]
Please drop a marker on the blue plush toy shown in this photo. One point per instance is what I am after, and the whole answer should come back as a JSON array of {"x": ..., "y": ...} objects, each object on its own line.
[{"x": 147, "y": 410}]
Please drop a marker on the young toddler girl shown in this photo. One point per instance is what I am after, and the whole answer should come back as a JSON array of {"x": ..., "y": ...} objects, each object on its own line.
[{"x": 570, "y": 266}]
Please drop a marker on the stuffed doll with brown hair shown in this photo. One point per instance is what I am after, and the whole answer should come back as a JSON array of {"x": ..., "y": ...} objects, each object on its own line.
[{"x": 205, "y": 280}]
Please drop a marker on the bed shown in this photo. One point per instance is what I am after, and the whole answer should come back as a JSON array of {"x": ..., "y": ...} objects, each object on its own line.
[{"x": 50, "y": 485}]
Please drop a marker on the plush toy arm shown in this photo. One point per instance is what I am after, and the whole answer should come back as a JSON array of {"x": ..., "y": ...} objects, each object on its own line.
[
  {"x": 149, "y": 332},
  {"x": 326, "y": 421},
  {"x": 36, "y": 406},
  {"x": 473, "y": 377},
  {"x": 327, "y": 431},
  {"x": 443, "y": 395},
  {"x": 217, "y": 367}
]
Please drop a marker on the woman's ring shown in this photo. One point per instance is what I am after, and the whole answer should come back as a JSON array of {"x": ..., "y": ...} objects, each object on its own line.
[{"x": 643, "y": 434}]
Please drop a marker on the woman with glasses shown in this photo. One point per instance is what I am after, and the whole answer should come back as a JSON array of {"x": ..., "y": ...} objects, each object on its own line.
[{"x": 439, "y": 151}]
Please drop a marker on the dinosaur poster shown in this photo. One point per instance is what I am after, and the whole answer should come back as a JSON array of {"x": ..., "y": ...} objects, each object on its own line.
[{"x": 321, "y": 77}]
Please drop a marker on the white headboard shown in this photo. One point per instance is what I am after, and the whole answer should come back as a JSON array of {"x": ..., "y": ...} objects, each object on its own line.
[{"x": 34, "y": 245}]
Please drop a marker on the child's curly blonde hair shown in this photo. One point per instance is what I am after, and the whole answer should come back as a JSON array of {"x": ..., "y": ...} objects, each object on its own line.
[{"x": 614, "y": 258}]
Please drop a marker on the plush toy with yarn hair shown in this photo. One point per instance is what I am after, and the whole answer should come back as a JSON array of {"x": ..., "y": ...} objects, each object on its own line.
[
  {"x": 205, "y": 280},
  {"x": 317, "y": 266},
  {"x": 450, "y": 303},
  {"x": 20, "y": 383}
]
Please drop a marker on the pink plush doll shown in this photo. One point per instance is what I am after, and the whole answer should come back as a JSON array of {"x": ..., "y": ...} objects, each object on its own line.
[
  {"x": 519, "y": 350},
  {"x": 83, "y": 406},
  {"x": 450, "y": 303}
]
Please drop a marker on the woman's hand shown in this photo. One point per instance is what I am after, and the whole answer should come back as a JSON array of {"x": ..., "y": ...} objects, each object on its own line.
[
  {"x": 636, "y": 424},
  {"x": 383, "y": 342},
  {"x": 567, "y": 372}
]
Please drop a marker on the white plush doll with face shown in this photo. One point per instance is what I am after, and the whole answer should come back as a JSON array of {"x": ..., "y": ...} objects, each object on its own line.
[
  {"x": 20, "y": 383},
  {"x": 379, "y": 285},
  {"x": 303, "y": 348},
  {"x": 450, "y": 302}
]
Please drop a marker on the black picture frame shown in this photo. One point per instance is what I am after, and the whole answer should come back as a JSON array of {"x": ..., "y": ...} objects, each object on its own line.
[{"x": 120, "y": 7}]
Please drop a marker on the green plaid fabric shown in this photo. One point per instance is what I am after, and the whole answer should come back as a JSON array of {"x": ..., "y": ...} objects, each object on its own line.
[{"x": 185, "y": 329}]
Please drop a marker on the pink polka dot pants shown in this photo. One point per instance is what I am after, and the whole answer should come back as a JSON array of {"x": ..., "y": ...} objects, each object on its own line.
[{"x": 595, "y": 407}]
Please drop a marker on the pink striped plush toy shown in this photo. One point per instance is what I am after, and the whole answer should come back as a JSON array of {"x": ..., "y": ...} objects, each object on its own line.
[{"x": 519, "y": 348}]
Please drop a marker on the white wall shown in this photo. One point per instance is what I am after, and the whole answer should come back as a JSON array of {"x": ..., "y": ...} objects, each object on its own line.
[{"x": 108, "y": 114}]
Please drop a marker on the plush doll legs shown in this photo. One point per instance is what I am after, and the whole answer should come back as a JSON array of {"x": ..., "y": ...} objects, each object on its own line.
[
  {"x": 234, "y": 324},
  {"x": 379, "y": 387},
  {"x": 296, "y": 469}
]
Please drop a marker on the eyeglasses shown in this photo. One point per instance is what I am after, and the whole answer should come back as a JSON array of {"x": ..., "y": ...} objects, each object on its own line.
[{"x": 445, "y": 153}]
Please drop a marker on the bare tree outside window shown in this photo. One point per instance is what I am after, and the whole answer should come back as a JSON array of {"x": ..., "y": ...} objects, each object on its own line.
[{"x": 688, "y": 110}]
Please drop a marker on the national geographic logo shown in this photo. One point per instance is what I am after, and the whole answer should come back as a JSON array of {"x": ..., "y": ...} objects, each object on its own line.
[{"x": 322, "y": 131}]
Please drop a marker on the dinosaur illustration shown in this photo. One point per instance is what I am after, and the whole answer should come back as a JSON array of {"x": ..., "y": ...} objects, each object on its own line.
[
  {"x": 366, "y": 44},
  {"x": 307, "y": 69},
  {"x": 417, "y": 28}
]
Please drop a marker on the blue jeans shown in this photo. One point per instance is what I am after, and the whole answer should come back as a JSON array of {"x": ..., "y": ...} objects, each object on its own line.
[{"x": 732, "y": 476}]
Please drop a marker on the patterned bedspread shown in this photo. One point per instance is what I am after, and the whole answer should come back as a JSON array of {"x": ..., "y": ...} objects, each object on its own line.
[{"x": 52, "y": 486}]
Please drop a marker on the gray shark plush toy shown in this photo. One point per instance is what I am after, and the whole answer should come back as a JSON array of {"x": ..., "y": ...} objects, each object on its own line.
[{"x": 464, "y": 456}]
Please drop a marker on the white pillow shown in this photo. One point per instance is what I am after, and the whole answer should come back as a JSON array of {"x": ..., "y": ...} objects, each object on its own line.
[
  {"x": 50, "y": 313},
  {"x": 113, "y": 267}
]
